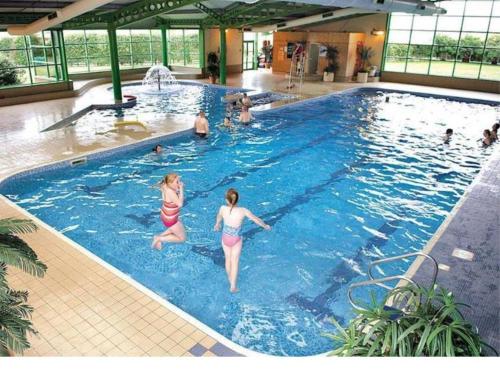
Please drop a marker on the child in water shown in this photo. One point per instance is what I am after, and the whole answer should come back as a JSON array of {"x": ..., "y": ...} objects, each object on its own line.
[
  {"x": 245, "y": 115},
  {"x": 232, "y": 241},
  {"x": 172, "y": 191}
]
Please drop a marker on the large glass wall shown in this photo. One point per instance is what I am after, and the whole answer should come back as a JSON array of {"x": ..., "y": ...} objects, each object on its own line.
[
  {"x": 88, "y": 50},
  {"x": 465, "y": 42},
  {"x": 183, "y": 47},
  {"x": 30, "y": 59}
]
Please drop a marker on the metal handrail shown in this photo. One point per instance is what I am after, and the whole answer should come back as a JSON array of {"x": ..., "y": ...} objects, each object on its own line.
[
  {"x": 374, "y": 282},
  {"x": 400, "y": 257}
]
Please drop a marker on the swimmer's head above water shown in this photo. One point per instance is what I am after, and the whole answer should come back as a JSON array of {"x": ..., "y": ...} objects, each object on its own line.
[
  {"x": 232, "y": 197},
  {"x": 157, "y": 149},
  {"x": 171, "y": 180}
]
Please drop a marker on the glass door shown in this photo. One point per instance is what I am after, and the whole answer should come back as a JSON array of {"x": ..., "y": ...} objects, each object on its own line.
[{"x": 249, "y": 55}]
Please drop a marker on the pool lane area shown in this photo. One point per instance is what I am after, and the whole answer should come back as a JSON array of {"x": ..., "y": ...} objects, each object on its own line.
[
  {"x": 378, "y": 225},
  {"x": 316, "y": 304}
]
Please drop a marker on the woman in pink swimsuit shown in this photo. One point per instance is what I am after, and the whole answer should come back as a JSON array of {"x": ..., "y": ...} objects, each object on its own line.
[
  {"x": 232, "y": 242},
  {"x": 172, "y": 191}
]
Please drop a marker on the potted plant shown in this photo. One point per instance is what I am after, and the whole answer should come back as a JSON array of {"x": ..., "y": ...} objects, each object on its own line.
[
  {"x": 15, "y": 313},
  {"x": 212, "y": 66},
  {"x": 365, "y": 53},
  {"x": 419, "y": 322},
  {"x": 332, "y": 66}
]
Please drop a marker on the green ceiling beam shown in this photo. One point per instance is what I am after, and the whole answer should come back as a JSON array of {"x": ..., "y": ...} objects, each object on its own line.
[
  {"x": 211, "y": 12},
  {"x": 145, "y": 9},
  {"x": 87, "y": 19},
  {"x": 268, "y": 15},
  {"x": 132, "y": 13}
]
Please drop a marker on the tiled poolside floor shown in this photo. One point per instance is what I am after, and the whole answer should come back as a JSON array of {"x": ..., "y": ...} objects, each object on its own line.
[
  {"x": 82, "y": 307},
  {"x": 469, "y": 249}
]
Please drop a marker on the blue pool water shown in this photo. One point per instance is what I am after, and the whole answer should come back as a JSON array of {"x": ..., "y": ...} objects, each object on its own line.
[{"x": 343, "y": 180}]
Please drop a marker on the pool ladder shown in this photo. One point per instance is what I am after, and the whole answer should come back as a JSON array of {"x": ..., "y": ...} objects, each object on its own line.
[{"x": 380, "y": 281}]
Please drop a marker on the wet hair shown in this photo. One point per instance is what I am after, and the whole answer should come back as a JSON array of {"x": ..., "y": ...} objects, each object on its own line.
[
  {"x": 155, "y": 149},
  {"x": 487, "y": 132},
  {"x": 495, "y": 127},
  {"x": 244, "y": 94},
  {"x": 232, "y": 197},
  {"x": 449, "y": 131},
  {"x": 169, "y": 178}
]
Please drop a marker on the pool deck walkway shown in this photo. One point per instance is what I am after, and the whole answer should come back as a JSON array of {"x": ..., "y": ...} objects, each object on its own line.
[
  {"x": 85, "y": 307},
  {"x": 468, "y": 253}
]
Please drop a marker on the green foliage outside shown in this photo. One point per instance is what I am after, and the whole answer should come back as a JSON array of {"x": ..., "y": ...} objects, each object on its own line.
[
  {"x": 9, "y": 75},
  {"x": 430, "y": 325},
  {"x": 15, "y": 313}
]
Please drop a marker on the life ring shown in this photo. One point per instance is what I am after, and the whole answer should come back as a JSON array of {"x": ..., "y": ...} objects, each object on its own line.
[{"x": 130, "y": 122}]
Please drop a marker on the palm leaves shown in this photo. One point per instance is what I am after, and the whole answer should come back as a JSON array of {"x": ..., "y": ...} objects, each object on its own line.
[
  {"x": 430, "y": 324},
  {"x": 15, "y": 313}
]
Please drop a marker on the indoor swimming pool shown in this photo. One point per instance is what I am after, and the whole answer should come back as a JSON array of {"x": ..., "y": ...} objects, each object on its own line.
[{"x": 342, "y": 179}]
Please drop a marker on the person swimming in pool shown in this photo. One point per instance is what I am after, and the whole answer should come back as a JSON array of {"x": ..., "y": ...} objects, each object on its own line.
[
  {"x": 201, "y": 125},
  {"x": 486, "y": 141},
  {"x": 158, "y": 149},
  {"x": 245, "y": 115},
  {"x": 447, "y": 135},
  {"x": 227, "y": 122},
  {"x": 172, "y": 191},
  {"x": 232, "y": 241}
]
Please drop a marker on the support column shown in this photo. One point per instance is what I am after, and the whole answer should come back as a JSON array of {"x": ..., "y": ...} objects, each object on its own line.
[
  {"x": 164, "y": 45},
  {"x": 222, "y": 65},
  {"x": 115, "y": 64},
  {"x": 64, "y": 61},
  {"x": 256, "y": 52},
  {"x": 55, "y": 41},
  {"x": 202, "y": 49}
]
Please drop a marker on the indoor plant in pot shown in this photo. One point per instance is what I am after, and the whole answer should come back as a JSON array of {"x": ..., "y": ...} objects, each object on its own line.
[
  {"x": 332, "y": 66},
  {"x": 212, "y": 66},
  {"x": 365, "y": 53}
]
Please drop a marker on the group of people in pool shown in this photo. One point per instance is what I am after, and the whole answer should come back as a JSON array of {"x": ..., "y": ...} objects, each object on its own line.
[
  {"x": 489, "y": 136},
  {"x": 201, "y": 128},
  {"x": 172, "y": 190}
]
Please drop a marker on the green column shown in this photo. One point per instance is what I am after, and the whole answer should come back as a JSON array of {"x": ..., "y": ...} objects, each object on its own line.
[
  {"x": 222, "y": 67},
  {"x": 54, "y": 37},
  {"x": 202, "y": 49},
  {"x": 164, "y": 45},
  {"x": 64, "y": 61},
  {"x": 256, "y": 52},
  {"x": 115, "y": 64}
]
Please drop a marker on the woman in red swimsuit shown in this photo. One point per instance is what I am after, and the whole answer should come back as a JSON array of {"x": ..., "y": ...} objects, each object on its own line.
[{"x": 172, "y": 191}]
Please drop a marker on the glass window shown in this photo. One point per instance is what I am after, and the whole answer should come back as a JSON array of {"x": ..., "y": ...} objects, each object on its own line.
[
  {"x": 493, "y": 41},
  {"x": 478, "y": 24},
  {"x": 399, "y": 37},
  {"x": 496, "y": 9},
  {"x": 460, "y": 43},
  {"x": 478, "y": 8},
  {"x": 453, "y": 8},
  {"x": 422, "y": 37},
  {"x": 424, "y": 22},
  {"x": 449, "y": 23},
  {"x": 495, "y": 24},
  {"x": 401, "y": 22}
]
